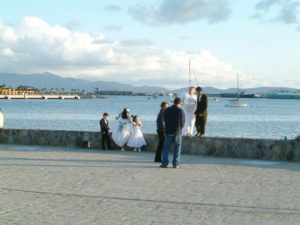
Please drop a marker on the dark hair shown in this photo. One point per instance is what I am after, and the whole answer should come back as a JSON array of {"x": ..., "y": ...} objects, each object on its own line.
[
  {"x": 163, "y": 104},
  {"x": 198, "y": 89},
  {"x": 134, "y": 118},
  {"x": 177, "y": 101},
  {"x": 125, "y": 114},
  {"x": 105, "y": 114}
]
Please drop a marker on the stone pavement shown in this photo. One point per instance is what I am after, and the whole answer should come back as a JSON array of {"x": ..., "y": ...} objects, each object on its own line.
[{"x": 48, "y": 185}]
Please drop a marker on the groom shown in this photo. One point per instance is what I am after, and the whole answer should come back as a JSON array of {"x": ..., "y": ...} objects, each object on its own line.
[{"x": 201, "y": 112}]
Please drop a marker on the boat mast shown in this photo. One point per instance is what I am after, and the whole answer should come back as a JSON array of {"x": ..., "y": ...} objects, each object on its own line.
[
  {"x": 238, "y": 89},
  {"x": 190, "y": 81}
]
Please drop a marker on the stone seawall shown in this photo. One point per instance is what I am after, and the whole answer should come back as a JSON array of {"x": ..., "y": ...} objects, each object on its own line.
[{"x": 211, "y": 146}]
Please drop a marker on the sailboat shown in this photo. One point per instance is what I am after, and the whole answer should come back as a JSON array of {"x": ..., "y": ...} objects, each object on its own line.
[{"x": 236, "y": 102}]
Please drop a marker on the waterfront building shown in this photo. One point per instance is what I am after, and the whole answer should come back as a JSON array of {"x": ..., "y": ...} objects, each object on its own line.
[{"x": 21, "y": 90}]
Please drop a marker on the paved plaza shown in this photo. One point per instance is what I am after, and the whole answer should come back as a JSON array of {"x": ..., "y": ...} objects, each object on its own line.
[{"x": 49, "y": 185}]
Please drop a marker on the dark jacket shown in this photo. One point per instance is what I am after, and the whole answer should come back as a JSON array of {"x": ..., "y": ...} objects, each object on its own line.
[
  {"x": 104, "y": 127},
  {"x": 174, "y": 120},
  {"x": 160, "y": 123},
  {"x": 201, "y": 105}
]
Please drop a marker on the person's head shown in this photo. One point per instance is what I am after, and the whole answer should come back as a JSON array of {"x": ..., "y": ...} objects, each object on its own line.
[
  {"x": 164, "y": 105},
  {"x": 105, "y": 116},
  {"x": 191, "y": 90},
  {"x": 135, "y": 118},
  {"x": 199, "y": 91},
  {"x": 125, "y": 113},
  {"x": 177, "y": 101}
]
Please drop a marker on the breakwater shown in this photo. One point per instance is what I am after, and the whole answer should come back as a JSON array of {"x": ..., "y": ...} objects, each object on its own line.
[
  {"x": 268, "y": 149},
  {"x": 37, "y": 97}
]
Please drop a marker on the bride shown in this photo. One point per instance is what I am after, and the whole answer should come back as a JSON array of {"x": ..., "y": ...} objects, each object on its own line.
[
  {"x": 189, "y": 107},
  {"x": 121, "y": 135}
]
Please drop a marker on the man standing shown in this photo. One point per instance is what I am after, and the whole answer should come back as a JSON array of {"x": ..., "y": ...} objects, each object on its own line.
[
  {"x": 174, "y": 122},
  {"x": 201, "y": 112},
  {"x": 160, "y": 124},
  {"x": 104, "y": 131}
]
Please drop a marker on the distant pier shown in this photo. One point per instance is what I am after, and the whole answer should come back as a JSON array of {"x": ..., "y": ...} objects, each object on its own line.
[{"x": 45, "y": 97}]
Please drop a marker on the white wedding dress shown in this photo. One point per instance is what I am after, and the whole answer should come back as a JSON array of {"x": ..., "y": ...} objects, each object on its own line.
[
  {"x": 122, "y": 133},
  {"x": 189, "y": 108},
  {"x": 136, "y": 139}
]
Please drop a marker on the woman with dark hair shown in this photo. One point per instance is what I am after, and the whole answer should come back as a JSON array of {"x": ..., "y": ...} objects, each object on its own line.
[
  {"x": 125, "y": 113},
  {"x": 121, "y": 135}
]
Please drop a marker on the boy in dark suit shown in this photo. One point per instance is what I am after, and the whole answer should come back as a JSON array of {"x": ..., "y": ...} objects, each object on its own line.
[
  {"x": 201, "y": 112},
  {"x": 105, "y": 130}
]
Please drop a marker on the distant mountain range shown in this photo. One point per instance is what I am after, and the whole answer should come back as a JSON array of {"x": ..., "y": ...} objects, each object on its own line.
[{"x": 48, "y": 80}]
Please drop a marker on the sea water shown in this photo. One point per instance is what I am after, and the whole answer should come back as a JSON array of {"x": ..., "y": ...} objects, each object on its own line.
[{"x": 264, "y": 118}]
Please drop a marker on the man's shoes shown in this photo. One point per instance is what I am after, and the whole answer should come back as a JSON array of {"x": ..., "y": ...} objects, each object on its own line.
[
  {"x": 163, "y": 166},
  {"x": 176, "y": 166}
]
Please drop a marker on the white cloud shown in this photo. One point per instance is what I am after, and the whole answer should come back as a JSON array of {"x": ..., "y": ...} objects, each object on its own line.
[
  {"x": 136, "y": 42},
  {"x": 36, "y": 46},
  {"x": 165, "y": 12},
  {"x": 283, "y": 11},
  {"x": 7, "y": 34},
  {"x": 7, "y": 52}
]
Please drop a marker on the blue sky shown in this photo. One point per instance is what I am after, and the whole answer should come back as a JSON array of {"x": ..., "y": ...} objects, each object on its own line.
[{"x": 150, "y": 42}]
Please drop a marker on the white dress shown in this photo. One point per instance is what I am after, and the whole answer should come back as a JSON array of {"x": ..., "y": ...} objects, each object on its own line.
[
  {"x": 136, "y": 139},
  {"x": 122, "y": 133},
  {"x": 189, "y": 108},
  {"x": 1, "y": 120}
]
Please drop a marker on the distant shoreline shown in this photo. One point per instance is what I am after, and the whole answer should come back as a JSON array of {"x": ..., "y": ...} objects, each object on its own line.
[{"x": 38, "y": 97}]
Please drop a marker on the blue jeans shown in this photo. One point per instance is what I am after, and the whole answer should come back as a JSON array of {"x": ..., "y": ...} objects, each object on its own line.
[{"x": 169, "y": 140}]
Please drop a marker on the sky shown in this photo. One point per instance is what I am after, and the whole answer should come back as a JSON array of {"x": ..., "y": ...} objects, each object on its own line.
[{"x": 151, "y": 42}]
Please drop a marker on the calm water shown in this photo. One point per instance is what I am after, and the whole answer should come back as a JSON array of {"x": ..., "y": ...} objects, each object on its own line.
[{"x": 265, "y": 118}]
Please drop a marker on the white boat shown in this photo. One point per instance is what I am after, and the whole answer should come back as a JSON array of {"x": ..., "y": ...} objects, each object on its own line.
[{"x": 236, "y": 102}]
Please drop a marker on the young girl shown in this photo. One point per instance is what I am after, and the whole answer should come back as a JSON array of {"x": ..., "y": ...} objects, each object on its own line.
[
  {"x": 122, "y": 133},
  {"x": 136, "y": 139}
]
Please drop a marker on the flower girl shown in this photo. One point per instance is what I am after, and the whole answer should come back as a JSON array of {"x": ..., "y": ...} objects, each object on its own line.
[{"x": 136, "y": 139}]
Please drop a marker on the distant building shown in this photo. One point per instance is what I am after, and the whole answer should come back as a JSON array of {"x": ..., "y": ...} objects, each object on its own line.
[
  {"x": 21, "y": 90},
  {"x": 27, "y": 90},
  {"x": 7, "y": 90}
]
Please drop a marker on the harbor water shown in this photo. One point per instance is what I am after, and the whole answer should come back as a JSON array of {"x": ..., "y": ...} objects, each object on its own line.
[{"x": 264, "y": 118}]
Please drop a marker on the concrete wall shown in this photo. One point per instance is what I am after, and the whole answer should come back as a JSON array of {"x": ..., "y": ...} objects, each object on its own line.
[{"x": 223, "y": 147}]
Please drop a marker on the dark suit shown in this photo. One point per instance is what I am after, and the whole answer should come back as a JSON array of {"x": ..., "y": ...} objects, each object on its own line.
[
  {"x": 201, "y": 114},
  {"x": 160, "y": 125},
  {"x": 105, "y": 133}
]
